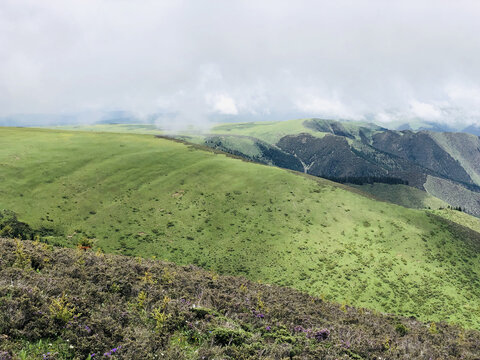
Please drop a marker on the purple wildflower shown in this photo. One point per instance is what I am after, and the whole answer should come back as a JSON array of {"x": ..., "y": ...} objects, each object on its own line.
[
  {"x": 113, "y": 351},
  {"x": 268, "y": 328},
  {"x": 258, "y": 314},
  {"x": 5, "y": 355},
  {"x": 322, "y": 334},
  {"x": 298, "y": 328}
]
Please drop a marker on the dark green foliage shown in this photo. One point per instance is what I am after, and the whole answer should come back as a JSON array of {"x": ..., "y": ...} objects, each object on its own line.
[
  {"x": 361, "y": 180},
  {"x": 281, "y": 335},
  {"x": 401, "y": 329},
  {"x": 226, "y": 337},
  {"x": 11, "y": 227},
  {"x": 201, "y": 312},
  {"x": 68, "y": 308}
]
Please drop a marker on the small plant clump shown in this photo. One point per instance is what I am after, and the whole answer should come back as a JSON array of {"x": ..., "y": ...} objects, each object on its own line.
[{"x": 61, "y": 309}]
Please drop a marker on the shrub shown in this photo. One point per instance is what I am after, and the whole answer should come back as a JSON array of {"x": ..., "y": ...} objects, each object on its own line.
[
  {"x": 160, "y": 319},
  {"x": 401, "y": 329},
  {"x": 11, "y": 227},
  {"x": 224, "y": 336},
  {"x": 22, "y": 259},
  {"x": 201, "y": 312},
  {"x": 61, "y": 309}
]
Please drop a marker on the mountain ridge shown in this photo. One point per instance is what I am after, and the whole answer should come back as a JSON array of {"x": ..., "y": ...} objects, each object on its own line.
[{"x": 346, "y": 151}]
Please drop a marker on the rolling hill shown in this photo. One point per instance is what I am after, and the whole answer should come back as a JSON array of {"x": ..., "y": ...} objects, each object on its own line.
[
  {"x": 148, "y": 196},
  {"x": 445, "y": 165}
]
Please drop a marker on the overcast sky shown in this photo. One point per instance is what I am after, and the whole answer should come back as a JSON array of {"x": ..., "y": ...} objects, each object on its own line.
[{"x": 382, "y": 60}]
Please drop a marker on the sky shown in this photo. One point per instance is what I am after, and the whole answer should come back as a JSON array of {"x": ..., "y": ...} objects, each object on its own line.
[{"x": 199, "y": 61}]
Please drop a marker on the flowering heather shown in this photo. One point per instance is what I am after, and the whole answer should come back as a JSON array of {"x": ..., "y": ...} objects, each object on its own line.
[
  {"x": 258, "y": 314},
  {"x": 299, "y": 328},
  {"x": 220, "y": 325},
  {"x": 113, "y": 351},
  {"x": 322, "y": 334}
]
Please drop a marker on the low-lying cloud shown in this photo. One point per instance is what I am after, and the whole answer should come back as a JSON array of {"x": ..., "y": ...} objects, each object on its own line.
[{"x": 196, "y": 62}]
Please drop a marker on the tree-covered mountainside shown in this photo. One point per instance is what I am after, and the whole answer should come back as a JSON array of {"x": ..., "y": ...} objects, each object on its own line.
[
  {"x": 446, "y": 165},
  {"x": 73, "y": 304},
  {"x": 141, "y": 195}
]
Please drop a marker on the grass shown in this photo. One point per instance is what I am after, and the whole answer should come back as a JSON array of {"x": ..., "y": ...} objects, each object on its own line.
[
  {"x": 460, "y": 218},
  {"x": 455, "y": 194},
  {"x": 403, "y": 195},
  {"x": 132, "y": 308},
  {"x": 272, "y": 131},
  {"x": 268, "y": 131},
  {"x": 140, "y": 195},
  {"x": 115, "y": 128}
]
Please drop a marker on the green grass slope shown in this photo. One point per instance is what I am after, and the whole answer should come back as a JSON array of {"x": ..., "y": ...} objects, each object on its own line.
[
  {"x": 70, "y": 304},
  {"x": 268, "y": 131},
  {"x": 403, "y": 195},
  {"x": 115, "y": 128},
  {"x": 454, "y": 194},
  {"x": 140, "y": 195},
  {"x": 272, "y": 131},
  {"x": 460, "y": 218}
]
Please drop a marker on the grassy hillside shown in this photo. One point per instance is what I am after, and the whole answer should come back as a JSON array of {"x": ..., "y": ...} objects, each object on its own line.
[
  {"x": 70, "y": 304},
  {"x": 140, "y": 195},
  {"x": 272, "y": 131},
  {"x": 268, "y": 131},
  {"x": 115, "y": 128},
  {"x": 360, "y": 153},
  {"x": 460, "y": 218},
  {"x": 403, "y": 195},
  {"x": 454, "y": 194},
  {"x": 459, "y": 146}
]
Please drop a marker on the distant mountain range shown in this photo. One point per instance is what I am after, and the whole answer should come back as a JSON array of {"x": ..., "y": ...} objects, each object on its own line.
[
  {"x": 162, "y": 117},
  {"x": 444, "y": 164},
  {"x": 81, "y": 118}
]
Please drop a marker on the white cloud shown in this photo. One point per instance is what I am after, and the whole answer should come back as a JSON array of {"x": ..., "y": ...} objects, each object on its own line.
[
  {"x": 222, "y": 104},
  {"x": 384, "y": 117},
  {"x": 464, "y": 95},
  {"x": 425, "y": 111},
  {"x": 323, "y": 107},
  {"x": 256, "y": 59}
]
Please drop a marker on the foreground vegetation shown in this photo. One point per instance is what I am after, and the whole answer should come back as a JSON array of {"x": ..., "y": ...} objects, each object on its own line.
[
  {"x": 73, "y": 304},
  {"x": 140, "y": 195}
]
